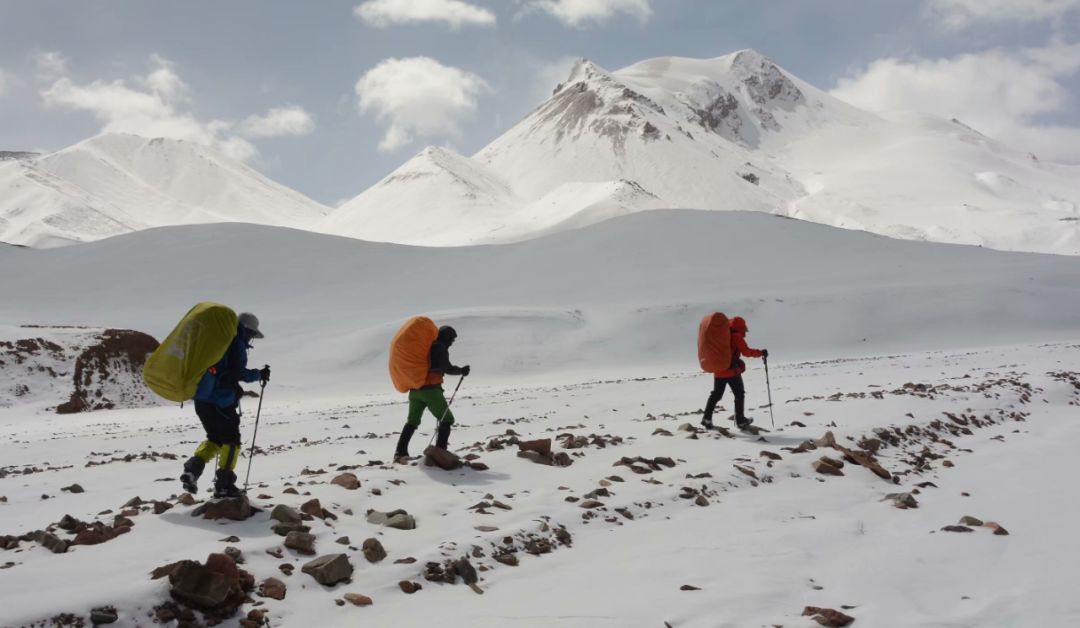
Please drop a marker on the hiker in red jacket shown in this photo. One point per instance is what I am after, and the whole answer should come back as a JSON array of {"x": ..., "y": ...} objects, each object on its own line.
[{"x": 733, "y": 376}]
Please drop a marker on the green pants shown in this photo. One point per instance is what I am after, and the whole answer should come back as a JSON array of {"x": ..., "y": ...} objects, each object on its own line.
[{"x": 431, "y": 398}]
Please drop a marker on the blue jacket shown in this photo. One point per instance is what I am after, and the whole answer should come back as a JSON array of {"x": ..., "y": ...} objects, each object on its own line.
[{"x": 220, "y": 384}]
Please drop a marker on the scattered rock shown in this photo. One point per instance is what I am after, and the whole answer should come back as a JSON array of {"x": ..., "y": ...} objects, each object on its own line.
[
  {"x": 358, "y": 600},
  {"x": 689, "y": 587},
  {"x": 506, "y": 558},
  {"x": 902, "y": 501},
  {"x": 485, "y": 528},
  {"x": 186, "y": 499},
  {"x": 997, "y": 528},
  {"x": 771, "y": 456},
  {"x": 162, "y": 507},
  {"x": 74, "y": 488},
  {"x": 347, "y": 481},
  {"x": 330, "y": 569},
  {"x": 409, "y": 587},
  {"x": 373, "y": 550},
  {"x": 104, "y": 615},
  {"x": 824, "y": 466},
  {"x": 301, "y": 542},
  {"x": 283, "y": 529},
  {"x": 343, "y": 540},
  {"x": 233, "y": 508},
  {"x": 541, "y": 446},
  {"x": 701, "y": 501},
  {"x": 967, "y": 520},
  {"x": 401, "y": 521},
  {"x": 272, "y": 588},
  {"x": 827, "y": 616},
  {"x": 285, "y": 514},
  {"x": 445, "y": 460},
  {"x": 957, "y": 529}
]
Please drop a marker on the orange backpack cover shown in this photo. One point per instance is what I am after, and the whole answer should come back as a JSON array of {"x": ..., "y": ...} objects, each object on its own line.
[
  {"x": 714, "y": 343},
  {"x": 410, "y": 353}
]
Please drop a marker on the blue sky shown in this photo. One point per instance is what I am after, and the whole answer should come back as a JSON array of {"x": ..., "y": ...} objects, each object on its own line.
[{"x": 275, "y": 82}]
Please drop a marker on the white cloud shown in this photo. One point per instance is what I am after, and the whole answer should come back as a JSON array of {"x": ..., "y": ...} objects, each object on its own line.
[
  {"x": 277, "y": 122},
  {"x": 155, "y": 105},
  {"x": 51, "y": 65},
  {"x": 998, "y": 92},
  {"x": 962, "y": 13},
  {"x": 578, "y": 13},
  {"x": 418, "y": 97},
  {"x": 456, "y": 13}
]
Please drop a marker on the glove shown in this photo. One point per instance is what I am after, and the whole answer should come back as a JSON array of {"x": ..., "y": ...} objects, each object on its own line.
[
  {"x": 264, "y": 374},
  {"x": 465, "y": 370},
  {"x": 765, "y": 353}
]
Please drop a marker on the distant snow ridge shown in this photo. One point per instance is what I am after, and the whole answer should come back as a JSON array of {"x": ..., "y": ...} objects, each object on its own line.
[
  {"x": 117, "y": 183},
  {"x": 732, "y": 133}
]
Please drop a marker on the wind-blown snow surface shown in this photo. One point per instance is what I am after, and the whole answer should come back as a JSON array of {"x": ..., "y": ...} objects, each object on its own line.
[
  {"x": 118, "y": 183},
  {"x": 732, "y": 133},
  {"x": 619, "y": 295},
  {"x": 553, "y": 327}
]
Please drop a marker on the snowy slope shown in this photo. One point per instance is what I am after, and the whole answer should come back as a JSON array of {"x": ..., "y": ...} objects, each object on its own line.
[
  {"x": 732, "y": 133},
  {"x": 619, "y": 295},
  {"x": 115, "y": 183}
]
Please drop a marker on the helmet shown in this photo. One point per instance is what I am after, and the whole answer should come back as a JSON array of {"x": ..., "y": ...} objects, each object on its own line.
[{"x": 250, "y": 322}]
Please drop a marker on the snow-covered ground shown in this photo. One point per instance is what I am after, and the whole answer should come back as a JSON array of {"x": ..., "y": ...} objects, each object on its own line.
[
  {"x": 591, "y": 333},
  {"x": 774, "y": 537}
]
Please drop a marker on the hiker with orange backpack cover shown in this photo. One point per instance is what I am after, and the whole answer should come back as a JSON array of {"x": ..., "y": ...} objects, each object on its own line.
[{"x": 732, "y": 375}]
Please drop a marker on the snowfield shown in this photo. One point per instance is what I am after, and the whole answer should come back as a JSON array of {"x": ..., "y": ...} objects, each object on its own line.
[{"x": 945, "y": 374}]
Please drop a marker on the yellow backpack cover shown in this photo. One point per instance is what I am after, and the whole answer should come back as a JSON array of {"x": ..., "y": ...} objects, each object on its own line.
[{"x": 197, "y": 342}]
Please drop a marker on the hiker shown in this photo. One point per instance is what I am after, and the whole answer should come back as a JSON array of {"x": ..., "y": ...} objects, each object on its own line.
[
  {"x": 430, "y": 395},
  {"x": 217, "y": 404},
  {"x": 732, "y": 376}
]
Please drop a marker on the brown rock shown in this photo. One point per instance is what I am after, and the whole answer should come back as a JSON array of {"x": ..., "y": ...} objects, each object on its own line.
[
  {"x": 701, "y": 501},
  {"x": 825, "y": 468},
  {"x": 828, "y": 616},
  {"x": 957, "y": 529},
  {"x": 997, "y": 528},
  {"x": 330, "y": 569},
  {"x": 373, "y": 550},
  {"x": 347, "y": 481},
  {"x": 541, "y": 446},
  {"x": 358, "y": 600},
  {"x": 591, "y": 503},
  {"x": 478, "y": 466},
  {"x": 161, "y": 507},
  {"x": 301, "y": 542},
  {"x": 312, "y": 507},
  {"x": 506, "y": 558},
  {"x": 234, "y": 509},
  {"x": 343, "y": 540},
  {"x": 272, "y": 588},
  {"x": 967, "y": 520},
  {"x": 186, "y": 499},
  {"x": 771, "y": 456},
  {"x": 445, "y": 460},
  {"x": 409, "y": 587}
]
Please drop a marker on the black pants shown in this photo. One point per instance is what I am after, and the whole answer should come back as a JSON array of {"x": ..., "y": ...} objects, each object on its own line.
[
  {"x": 222, "y": 425},
  {"x": 737, "y": 389}
]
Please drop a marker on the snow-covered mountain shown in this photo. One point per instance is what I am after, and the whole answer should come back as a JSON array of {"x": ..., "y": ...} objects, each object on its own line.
[
  {"x": 116, "y": 183},
  {"x": 732, "y": 133}
]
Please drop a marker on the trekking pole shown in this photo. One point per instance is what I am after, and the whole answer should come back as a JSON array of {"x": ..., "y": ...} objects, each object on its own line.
[
  {"x": 447, "y": 410},
  {"x": 251, "y": 454},
  {"x": 768, "y": 387}
]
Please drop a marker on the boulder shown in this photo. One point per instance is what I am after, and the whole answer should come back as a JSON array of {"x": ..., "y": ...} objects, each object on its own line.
[
  {"x": 373, "y": 550},
  {"x": 232, "y": 508},
  {"x": 827, "y": 616},
  {"x": 358, "y": 600},
  {"x": 285, "y": 514},
  {"x": 272, "y": 588},
  {"x": 301, "y": 542},
  {"x": 347, "y": 481},
  {"x": 541, "y": 446},
  {"x": 313, "y": 507},
  {"x": 104, "y": 615},
  {"x": 409, "y": 587},
  {"x": 438, "y": 457},
  {"x": 967, "y": 520},
  {"x": 330, "y": 569},
  {"x": 823, "y": 467},
  {"x": 401, "y": 521},
  {"x": 205, "y": 586}
]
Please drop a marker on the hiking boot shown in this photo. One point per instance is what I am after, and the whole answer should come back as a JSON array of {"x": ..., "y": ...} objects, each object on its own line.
[
  {"x": 707, "y": 424},
  {"x": 402, "y": 450},
  {"x": 225, "y": 485},
  {"x": 442, "y": 441},
  {"x": 193, "y": 468},
  {"x": 742, "y": 422}
]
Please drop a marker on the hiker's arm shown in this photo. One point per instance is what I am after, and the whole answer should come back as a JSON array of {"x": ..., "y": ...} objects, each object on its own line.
[{"x": 744, "y": 349}]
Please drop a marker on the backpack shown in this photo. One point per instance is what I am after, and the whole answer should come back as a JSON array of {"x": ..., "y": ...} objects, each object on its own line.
[
  {"x": 714, "y": 343},
  {"x": 410, "y": 353},
  {"x": 197, "y": 342}
]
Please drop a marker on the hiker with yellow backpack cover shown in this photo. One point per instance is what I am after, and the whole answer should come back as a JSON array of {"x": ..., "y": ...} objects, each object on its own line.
[{"x": 205, "y": 359}]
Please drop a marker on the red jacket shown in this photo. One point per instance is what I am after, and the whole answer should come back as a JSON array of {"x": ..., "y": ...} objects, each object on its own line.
[{"x": 739, "y": 348}]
